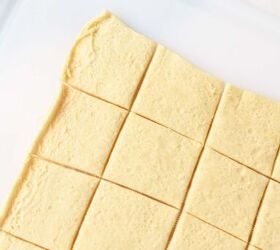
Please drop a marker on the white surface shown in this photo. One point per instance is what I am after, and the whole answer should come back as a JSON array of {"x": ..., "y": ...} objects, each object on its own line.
[
  {"x": 272, "y": 6},
  {"x": 230, "y": 39}
]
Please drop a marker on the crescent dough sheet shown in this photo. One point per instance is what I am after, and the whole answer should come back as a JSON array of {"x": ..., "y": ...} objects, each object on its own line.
[
  {"x": 247, "y": 128},
  {"x": 121, "y": 219},
  {"x": 192, "y": 233},
  {"x": 8, "y": 242},
  {"x": 225, "y": 194},
  {"x": 143, "y": 150},
  {"x": 171, "y": 160}
]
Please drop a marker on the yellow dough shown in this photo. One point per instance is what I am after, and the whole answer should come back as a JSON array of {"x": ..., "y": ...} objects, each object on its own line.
[
  {"x": 82, "y": 133},
  {"x": 266, "y": 233},
  {"x": 247, "y": 128},
  {"x": 143, "y": 150},
  {"x": 50, "y": 205},
  {"x": 8, "y": 242},
  {"x": 225, "y": 194},
  {"x": 154, "y": 160},
  {"x": 193, "y": 234},
  {"x": 178, "y": 95},
  {"x": 111, "y": 70},
  {"x": 121, "y": 219}
]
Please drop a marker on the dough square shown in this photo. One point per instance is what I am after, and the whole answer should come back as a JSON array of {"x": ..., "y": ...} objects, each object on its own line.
[
  {"x": 276, "y": 171},
  {"x": 247, "y": 129},
  {"x": 49, "y": 207},
  {"x": 266, "y": 234},
  {"x": 153, "y": 159},
  {"x": 178, "y": 95},
  {"x": 192, "y": 234},
  {"x": 124, "y": 219},
  {"x": 109, "y": 60},
  {"x": 8, "y": 242},
  {"x": 82, "y": 133},
  {"x": 225, "y": 194}
]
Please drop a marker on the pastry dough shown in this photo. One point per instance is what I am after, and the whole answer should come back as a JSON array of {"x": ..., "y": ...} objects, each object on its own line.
[
  {"x": 8, "y": 242},
  {"x": 153, "y": 160}
]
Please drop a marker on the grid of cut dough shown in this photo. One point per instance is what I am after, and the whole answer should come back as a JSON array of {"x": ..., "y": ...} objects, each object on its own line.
[{"x": 143, "y": 150}]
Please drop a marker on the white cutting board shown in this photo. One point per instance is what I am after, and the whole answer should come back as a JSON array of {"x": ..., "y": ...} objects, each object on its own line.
[{"x": 233, "y": 40}]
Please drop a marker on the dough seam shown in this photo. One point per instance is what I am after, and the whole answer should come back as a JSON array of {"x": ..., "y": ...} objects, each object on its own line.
[
  {"x": 84, "y": 215},
  {"x": 256, "y": 171},
  {"x": 176, "y": 132},
  {"x": 93, "y": 95},
  {"x": 212, "y": 225},
  {"x": 256, "y": 217},
  {"x": 21, "y": 239}
]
